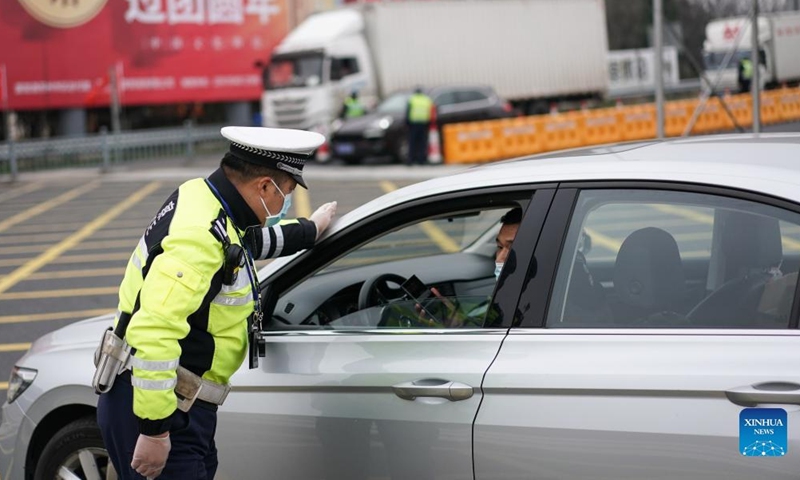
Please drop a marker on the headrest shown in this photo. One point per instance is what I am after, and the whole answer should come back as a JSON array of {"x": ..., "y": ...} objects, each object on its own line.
[{"x": 648, "y": 272}]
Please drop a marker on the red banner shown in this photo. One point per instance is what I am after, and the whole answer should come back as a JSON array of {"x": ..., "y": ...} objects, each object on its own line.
[{"x": 58, "y": 53}]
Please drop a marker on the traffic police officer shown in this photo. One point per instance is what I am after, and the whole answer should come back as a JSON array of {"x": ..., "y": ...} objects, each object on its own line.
[{"x": 189, "y": 304}]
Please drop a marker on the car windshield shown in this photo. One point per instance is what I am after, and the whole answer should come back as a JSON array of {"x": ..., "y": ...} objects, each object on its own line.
[
  {"x": 295, "y": 71},
  {"x": 394, "y": 104},
  {"x": 713, "y": 60}
]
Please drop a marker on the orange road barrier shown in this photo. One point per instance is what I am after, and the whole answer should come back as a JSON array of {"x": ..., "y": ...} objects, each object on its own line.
[
  {"x": 497, "y": 139},
  {"x": 601, "y": 126},
  {"x": 638, "y": 122},
  {"x": 520, "y": 136},
  {"x": 563, "y": 130}
]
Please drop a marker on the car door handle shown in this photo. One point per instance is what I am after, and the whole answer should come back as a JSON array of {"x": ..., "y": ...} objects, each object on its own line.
[
  {"x": 768, "y": 392},
  {"x": 433, "y": 387}
]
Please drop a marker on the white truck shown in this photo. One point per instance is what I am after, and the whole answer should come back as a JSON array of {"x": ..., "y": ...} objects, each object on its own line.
[
  {"x": 778, "y": 44},
  {"x": 532, "y": 52}
]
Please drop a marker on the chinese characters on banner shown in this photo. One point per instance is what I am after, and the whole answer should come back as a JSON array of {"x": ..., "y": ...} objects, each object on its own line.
[
  {"x": 199, "y": 12},
  {"x": 169, "y": 51}
]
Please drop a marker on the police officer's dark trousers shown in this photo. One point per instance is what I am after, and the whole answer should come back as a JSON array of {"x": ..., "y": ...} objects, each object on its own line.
[
  {"x": 418, "y": 143},
  {"x": 193, "y": 455}
]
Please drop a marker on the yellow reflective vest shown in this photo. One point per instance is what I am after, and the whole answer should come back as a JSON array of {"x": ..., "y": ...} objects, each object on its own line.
[
  {"x": 419, "y": 108},
  {"x": 747, "y": 69},
  {"x": 182, "y": 313},
  {"x": 353, "y": 108}
]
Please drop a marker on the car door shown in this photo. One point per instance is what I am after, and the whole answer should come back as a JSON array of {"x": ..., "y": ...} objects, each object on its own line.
[
  {"x": 351, "y": 388},
  {"x": 657, "y": 338}
]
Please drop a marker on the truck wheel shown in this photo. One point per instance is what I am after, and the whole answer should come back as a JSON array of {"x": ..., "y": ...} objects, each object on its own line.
[{"x": 75, "y": 451}]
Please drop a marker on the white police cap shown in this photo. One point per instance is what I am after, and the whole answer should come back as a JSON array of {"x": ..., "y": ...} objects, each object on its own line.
[{"x": 279, "y": 148}]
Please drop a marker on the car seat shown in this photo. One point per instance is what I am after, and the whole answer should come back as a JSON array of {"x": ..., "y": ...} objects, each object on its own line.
[{"x": 751, "y": 246}]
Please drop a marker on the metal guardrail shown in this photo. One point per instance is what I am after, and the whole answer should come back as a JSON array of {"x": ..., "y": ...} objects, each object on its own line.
[{"x": 105, "y": 150}]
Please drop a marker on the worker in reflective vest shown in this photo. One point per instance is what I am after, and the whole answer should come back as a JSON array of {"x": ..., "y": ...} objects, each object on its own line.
[
  {"x": 745, "y": 75},
  {"x": 353, "y": 108},
  {"x": 418, "y": 120}
]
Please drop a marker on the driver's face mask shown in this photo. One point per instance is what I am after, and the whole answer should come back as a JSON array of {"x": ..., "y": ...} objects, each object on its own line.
[
  {"x": 498, "y": 267},
  {"x": 273, "y": 220}
]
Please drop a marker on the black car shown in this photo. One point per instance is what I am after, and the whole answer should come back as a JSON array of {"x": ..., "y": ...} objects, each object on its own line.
[{"x": 382, "y": 132}]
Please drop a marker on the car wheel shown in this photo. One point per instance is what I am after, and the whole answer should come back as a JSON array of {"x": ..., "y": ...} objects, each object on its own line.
[
  {"x": 75, "y": 451},
  {"x": 401, "y": 153}
]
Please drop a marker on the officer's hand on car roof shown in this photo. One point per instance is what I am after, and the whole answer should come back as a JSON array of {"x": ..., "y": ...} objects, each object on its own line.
[{"x": 322, "y": 216}]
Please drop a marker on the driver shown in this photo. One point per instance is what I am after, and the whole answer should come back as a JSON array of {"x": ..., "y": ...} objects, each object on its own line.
[{"x": 456, "y": 316}]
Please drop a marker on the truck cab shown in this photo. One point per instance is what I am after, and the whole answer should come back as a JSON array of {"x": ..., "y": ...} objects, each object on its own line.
[
  {"x": 311, "y": 72},
  {"x": 730, "y": 38}
]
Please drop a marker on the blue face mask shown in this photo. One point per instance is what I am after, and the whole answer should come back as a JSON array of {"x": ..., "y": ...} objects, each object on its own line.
[
  {"x": 273, "y": 220},
  {"x": 498, "y": 267}
]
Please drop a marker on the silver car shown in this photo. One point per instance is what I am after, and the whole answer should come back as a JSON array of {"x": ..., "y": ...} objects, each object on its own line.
[{"x": 643, "y": 326}]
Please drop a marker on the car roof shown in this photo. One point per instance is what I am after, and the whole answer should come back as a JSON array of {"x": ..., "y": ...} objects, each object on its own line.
[
  {"x": 765, "y": 163},
  {"x": 444, "y": 88}
]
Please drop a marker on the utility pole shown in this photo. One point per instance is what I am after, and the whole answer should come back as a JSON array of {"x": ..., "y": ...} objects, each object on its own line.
[
  {"x": 658, "y": 41},
  {"x": 115, "y": 107},
  {"x": 10, "y": 130},
  {"x": 756, "y": 62}
]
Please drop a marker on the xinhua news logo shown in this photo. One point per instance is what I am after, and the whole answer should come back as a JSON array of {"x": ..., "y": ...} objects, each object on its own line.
[{"x": 762, "y": 432}]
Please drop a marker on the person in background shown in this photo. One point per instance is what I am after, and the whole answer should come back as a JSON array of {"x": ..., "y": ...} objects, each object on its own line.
[
  {"x": 352, "y": 107},
  {"x": 418, "y": 119}
]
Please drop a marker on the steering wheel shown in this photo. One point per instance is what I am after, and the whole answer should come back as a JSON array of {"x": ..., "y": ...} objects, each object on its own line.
[{"x": 376, "y": 290}]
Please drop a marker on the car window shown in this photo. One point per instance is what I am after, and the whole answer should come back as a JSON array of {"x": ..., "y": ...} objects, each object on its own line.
[
  {"x": 446, "y": 98},
  {"x": 342, "y": 67},
  {"x": 465, "y": 96},
  {"x": 675, "y": 260},
  {"x": 396, "y": 103},
  {"x": 367, "y": 287}
]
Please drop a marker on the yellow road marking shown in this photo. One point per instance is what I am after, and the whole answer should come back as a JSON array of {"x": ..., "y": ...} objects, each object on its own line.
[
  {"x": 439, "y": 237},
  {"x": 3, "y": 385},
  {"x": 87, "y": 230},
  {"x": 445, "y": 242},
  {"x": 88, "y": 258},
  {"x": 83, "y": 273},
  {"x": 49, "y": 204},
  {"x": 31, "y": 187},
  {"x": 387, "y": 186},
  {"x": 14, "y": 347},
  {"x": 69, "y": 292},
  {"x": 685, "y": 213},
  {"x": 603, "y": 240},
  {"x": 42, "y": 317},
  {"x": 302, "y": 205}
]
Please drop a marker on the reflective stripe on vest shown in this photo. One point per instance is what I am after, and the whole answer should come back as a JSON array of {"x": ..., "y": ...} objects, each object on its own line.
[{"x": 419, "y": 108}]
